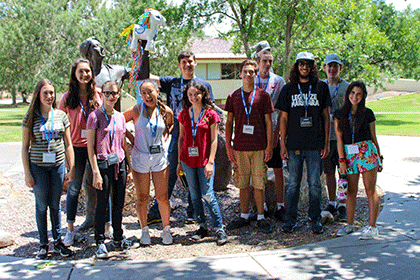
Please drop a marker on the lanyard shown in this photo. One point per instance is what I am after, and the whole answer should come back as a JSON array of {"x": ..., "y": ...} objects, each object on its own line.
[
  {"x": 153, "y": 127},
  {"x": 306, "y": 104},
  {"x": 48, "y": 134},
  {"x": 259, "y": 82},
  {"x": 85, "y": 112},
  {"x": 335, "y": 91},
  {"x": 352, "y": 127},
  {"x": 248, "y": 113},
  {"x": 194, "y": 127},
  {"x": 108, "y": 121}
]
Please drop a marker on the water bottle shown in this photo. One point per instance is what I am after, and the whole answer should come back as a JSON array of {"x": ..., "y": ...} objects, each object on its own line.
[
  {"x": 183, "y": 179},
  {"x": 342, "y": 187}
]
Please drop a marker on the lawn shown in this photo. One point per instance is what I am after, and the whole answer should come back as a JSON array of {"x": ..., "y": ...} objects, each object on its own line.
[
  {"x": 10, "y": 123},
  {"x": 402, "y": 103}
]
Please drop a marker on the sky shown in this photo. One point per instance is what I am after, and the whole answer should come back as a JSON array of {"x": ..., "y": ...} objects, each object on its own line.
[{"x": 402, "y": 4}]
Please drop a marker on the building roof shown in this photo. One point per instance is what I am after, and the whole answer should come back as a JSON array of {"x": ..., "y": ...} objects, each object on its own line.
[{"x": 212, "y": 48}]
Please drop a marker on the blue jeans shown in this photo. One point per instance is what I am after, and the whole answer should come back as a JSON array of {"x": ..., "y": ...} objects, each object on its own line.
[
  {"x": 173, "y": 163},
  {"x": 200, "y": 186},
  {"x": 47, "y": 190},
  {"x": 313, "y": 167}
]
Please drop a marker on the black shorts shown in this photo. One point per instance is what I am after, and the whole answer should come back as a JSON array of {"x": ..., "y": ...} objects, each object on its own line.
[
  {"x": 276, "y": 161},
  {"x": 331, "y": 161}
]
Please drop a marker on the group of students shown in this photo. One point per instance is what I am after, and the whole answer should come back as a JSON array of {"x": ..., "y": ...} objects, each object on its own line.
[{"x": 85, "y": 134}]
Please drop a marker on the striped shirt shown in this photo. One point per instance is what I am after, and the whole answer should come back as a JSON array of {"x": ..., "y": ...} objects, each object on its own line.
[{"x": 40, "y": 144}]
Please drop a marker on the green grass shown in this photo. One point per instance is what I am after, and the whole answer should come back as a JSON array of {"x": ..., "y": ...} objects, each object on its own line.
[
  {"x": 11, "y": 122},
  {"x": 403, "y": 103}
]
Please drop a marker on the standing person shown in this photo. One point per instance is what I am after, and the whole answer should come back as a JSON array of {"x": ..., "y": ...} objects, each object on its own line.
[
  {"x": 77, "y": 102},
  {"x": 45, "y": 143},
  {"x": 108, "y": 156},
  {"x": 153, "y": 124},
  {"x": 359, "y": 153},
  {"x": 337, "y": 87},
  {"x": 172, "y": 87},
  {"x": 197, "y": 145},
  {"x": 272, "y": 84},
  {"x": 304, "y": 134},
  {"x": 250, "y": 107}
]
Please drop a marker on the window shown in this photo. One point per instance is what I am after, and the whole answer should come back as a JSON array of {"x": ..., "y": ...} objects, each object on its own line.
[{"x": 230, "y": 71}]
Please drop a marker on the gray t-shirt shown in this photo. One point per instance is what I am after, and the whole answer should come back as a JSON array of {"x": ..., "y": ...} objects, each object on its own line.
[
  {"x": 337, "y": 94},
  {"x": 40, "y": 144}
]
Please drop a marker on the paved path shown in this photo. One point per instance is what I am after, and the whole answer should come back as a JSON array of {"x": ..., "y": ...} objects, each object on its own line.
[{"x": 394, "y": 255}]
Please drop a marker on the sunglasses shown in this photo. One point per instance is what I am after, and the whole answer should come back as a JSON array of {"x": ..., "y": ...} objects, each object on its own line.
[
  {"x": 309, "y": 64},
  {"x": 108, "y": 93}
]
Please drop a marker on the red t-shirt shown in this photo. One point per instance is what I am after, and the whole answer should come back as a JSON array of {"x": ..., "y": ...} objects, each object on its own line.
[
  {"x": 202, "y": 138},
  {"x": 77, "y": 119},
  {"x": 262, "y": 105}
]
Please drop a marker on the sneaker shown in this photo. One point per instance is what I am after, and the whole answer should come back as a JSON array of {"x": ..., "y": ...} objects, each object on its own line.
[
  {"x": 60, "y": 248},
  {"x": 238, "y": 223},
  {"x": 190, "y": 219},
  {"x": 43, "y": 252},
  {"x": 69, "y": 238},
  {"x": 122, "y": 244},
  {"x": 264, "y": 226},
  {"x": 342, "y": 214},
  {"x": 331, "y": 209},
  {"x": 347, "y": 229},
  {"x": 166, "y": 236},
  {"x": 153, "y": 220},
  {"x": 200, "y": 233},
  {"x": 109, "y": 234},
  {"x": 101, "y": 251},
  {"x": 369, "y": 233},
  {"x": 221, "y": 236},
  {"x": 288, "y": 227},
  {"x": 316, "y": 226},
  {"x": 145, "y": 236},
  {"x": 279, "y": 214}
]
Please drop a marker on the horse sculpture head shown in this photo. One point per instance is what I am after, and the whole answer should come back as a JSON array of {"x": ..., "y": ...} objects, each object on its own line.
[{"x": 146, "y": 30}]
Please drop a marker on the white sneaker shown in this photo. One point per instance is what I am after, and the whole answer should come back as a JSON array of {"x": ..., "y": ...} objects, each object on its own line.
[
  {"x": 109, "y": 234},
  {"x": 347, "y": 229},
  {"x": 145, "y": 236},
  {"x": 101, "y": 251},
  {"x": 166, "y": 236},
  {"x": 69, "y": 238},
  {"x": 369, "y": 233}
]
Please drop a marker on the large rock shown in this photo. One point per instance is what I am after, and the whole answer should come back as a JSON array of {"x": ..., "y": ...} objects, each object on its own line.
[{"x": 6, "y": 239}]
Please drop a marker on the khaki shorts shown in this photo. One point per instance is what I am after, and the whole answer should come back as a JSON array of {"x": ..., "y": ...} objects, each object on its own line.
[{"x": 250, "y": 164}]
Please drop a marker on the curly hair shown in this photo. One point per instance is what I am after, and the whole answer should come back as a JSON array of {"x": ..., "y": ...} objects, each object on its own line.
[
  {"x": 294, "y": 73},
  {"x": 205, "y": 100},
  {"x": 73, "y": 99}
]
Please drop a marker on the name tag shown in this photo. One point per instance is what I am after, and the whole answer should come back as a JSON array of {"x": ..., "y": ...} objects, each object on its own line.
[
  {"x": 84, "y": 133},
  {"x": 353, "y": 149},
  {"x": 248, "y": 129},
  {"x": 306, "y": 122},
  {"x": 48, "y": 157},
  {"x": 113, "y": 159},
  {"x": 154, "y": 149},
  {"x": 193, "y": 151}
]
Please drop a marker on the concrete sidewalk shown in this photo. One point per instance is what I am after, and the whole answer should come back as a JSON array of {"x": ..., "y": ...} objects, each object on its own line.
[{"x": 394, "y": 255}]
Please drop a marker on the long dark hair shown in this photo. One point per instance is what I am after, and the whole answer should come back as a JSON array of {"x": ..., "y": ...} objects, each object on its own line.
[
  {"x": 162, "y": 108},
  {"x": 206, "y": 100},
  {"x": 73, "y": 99},
  {"x": 343, "y": 113},
  {"x": 36, "y": 105},
  {"x": 294, "y": 74}
]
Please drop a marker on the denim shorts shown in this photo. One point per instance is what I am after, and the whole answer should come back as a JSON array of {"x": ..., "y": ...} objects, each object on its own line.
[
  {"x": 145, "y": 162},
  {"x": 366, "y": 159}
]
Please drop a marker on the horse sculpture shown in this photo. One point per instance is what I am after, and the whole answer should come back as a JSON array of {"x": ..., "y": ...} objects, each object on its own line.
[{"x": 146, "y": 30}]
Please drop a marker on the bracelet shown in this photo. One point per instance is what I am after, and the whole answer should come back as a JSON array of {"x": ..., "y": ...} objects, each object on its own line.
[{"x": 342, "y": 160}]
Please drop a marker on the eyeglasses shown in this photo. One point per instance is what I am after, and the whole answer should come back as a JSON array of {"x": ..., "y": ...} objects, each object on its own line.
[
  {"x": 309, "y": 64},
  {"x": 108, "y": 93}
]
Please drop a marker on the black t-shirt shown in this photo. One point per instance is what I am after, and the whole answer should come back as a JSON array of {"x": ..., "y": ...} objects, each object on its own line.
[
  {"x": 364, "y": 132},
  {"x": 292, "y": 102}
]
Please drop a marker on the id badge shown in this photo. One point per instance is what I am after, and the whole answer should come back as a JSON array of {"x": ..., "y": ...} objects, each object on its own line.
[
  {"x": 248, "y": 129},
  {"x": 48, "y": 157},
  {"x": 84, "y": 133},
  {"x": 353, "y": 149},
  {"x": 193, "y": 151},
  {"x": 113, "y": 159},
  {"x": 154, "y": 149},
  {"x": 306, "y": 122}
]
